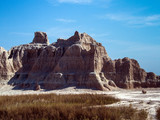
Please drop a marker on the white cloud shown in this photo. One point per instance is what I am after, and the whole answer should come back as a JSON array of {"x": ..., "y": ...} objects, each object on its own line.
[
  {"x": 100, "y": 3},
  {"x": 130, "y": 46},
  {"x": 65, "y": 20},
  {"x": 151, "y": 20},
  {"x": 21, "y": 33},
  {"x": 55, "y": 2},
  {"x": 75, "y": 1},
  {"x": 99, "y": 35}
]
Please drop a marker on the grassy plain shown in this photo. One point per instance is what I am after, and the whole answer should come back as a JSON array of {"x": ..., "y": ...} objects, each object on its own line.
[{"x": 65, "y": 107}]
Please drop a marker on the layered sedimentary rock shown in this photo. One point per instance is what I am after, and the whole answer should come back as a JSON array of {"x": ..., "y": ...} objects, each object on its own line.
[
  {"x": 6, "y": 66},
  {"x": 126, "y": 73},
  {"x": 78, "y": 61}
]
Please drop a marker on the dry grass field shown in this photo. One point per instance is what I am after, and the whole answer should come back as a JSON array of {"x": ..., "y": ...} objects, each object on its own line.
[{"x": 65, "y": 107}]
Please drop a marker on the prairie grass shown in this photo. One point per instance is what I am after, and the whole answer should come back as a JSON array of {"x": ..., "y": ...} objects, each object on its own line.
[
  {"x": 158, "y": 114},
  {"x": 65, "y": 107}
]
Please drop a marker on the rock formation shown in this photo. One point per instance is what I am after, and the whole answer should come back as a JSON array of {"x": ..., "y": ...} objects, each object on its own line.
[
  {"x": 126, "y": 73},
  {"x": 144, "y": 91},
  {"x": 40, "y": 37},
  {"x": 78, "y": 61},
  {"x": 6, "y": 66}
]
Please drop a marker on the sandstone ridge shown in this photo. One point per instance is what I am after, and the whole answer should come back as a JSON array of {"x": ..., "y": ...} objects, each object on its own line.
[{"x": 78, "y": 61}]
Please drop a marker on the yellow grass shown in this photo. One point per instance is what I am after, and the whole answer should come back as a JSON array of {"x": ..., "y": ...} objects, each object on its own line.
[{"x": 64, "y": 107}]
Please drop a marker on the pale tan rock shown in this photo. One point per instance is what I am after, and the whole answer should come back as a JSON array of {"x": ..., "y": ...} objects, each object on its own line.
[
  {"x": 6, "y": 67},
  {"x": 78, "y": 61},
  {"x": 23, "y": 58}
]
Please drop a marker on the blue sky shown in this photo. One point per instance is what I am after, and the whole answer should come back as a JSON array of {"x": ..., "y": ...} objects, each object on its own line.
[{"x": 127, "y": 28}]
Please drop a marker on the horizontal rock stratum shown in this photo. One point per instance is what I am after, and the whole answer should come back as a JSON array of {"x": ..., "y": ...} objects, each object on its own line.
[{"x": 78, "y": 61}]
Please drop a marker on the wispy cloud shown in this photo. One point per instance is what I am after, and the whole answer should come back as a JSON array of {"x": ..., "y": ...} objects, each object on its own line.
[
  {"x": 75, "y": 1},
  {"x": 100, "y": 3},
  {"x": 130, "y": 46},
  {"x": 99, "y": 35},
  {"x": 65, "y": 20},
  {"x": 21, "y": 33},
  {"x": 70, "y": 1},
  {"x": 151, "y": 20}
]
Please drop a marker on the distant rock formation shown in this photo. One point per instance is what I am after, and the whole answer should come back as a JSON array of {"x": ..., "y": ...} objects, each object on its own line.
[
  {"x": 78, "y": 61},
  {"x": 126, "y": 73}
]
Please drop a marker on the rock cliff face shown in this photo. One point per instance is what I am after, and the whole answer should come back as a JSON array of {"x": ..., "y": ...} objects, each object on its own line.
[
  {"x": 78, "y": 61},
  {"x": 6, "y": 66},
  {"x": 126, "y": 73}
]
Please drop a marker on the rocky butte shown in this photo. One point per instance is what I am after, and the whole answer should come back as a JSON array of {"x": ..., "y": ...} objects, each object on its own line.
[{"x": 78, "y": 61}]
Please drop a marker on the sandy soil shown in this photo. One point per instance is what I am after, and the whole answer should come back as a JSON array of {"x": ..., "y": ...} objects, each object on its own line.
[{"x": 149, "y": 101}]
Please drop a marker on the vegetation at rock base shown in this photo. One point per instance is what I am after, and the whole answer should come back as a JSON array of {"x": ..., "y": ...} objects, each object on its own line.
[
  {"x": 158, "y": 114},
  {"x": 65, "y": 107}
]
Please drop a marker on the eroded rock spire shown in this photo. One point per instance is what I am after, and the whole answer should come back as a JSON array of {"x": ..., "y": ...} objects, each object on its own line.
[{"x": 40, "y": 37}]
